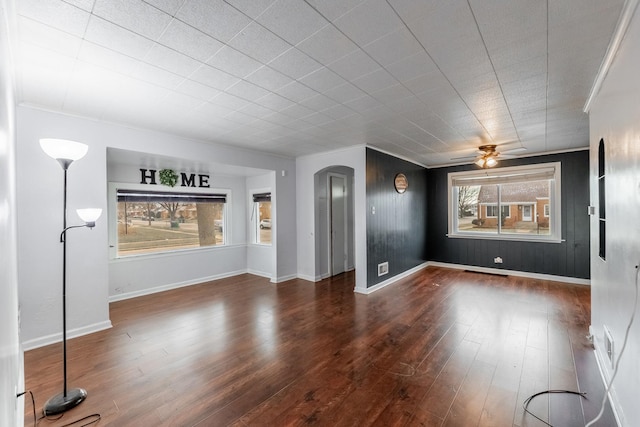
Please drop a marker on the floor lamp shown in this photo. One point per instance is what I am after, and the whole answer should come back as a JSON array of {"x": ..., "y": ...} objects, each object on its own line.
[{"x": 66, "y": 152}]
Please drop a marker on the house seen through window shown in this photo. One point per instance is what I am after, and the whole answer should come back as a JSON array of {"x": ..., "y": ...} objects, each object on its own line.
[
  {"x": 262, "y": 217},
  {"x": 151, "y": 222},
  {"x": 520, "y": 203}
]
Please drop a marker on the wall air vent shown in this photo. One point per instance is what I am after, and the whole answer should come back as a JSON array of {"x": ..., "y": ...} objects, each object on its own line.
[{"x": 383, "y": 268}]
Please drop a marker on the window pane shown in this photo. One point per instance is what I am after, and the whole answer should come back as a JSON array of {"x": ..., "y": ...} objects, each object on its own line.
[
  {"x": 150, "y": 227},
  {"x": 526, "y": 201},
  {"x": 487, "y": 218},
  {"x": 263, "y": 232}
]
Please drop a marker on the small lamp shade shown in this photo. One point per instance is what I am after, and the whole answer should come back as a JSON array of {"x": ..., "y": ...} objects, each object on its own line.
[
  {"x": 63, "y": 149},
  {"x": 89, "y": 215}
]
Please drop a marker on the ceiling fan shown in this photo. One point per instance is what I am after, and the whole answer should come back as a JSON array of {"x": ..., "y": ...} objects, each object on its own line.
[{"x": 487, "y": 155}]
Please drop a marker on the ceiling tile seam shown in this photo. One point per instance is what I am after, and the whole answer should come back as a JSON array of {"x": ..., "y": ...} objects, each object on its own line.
[
  {"x": 394, "y": 77},
  {"x": 493, "y": 67},
  {"x": 443, "y": 75}
]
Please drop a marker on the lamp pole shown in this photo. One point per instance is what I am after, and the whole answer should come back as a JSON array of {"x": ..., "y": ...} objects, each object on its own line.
[{"x": 66, "y": 152}]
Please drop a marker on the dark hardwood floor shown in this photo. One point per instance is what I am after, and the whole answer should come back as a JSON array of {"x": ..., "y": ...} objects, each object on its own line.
[{"x": 439, "y": 348}]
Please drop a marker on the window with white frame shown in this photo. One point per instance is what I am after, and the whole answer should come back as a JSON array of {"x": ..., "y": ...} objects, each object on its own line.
[
  {"x": 158, "y": 221},
  {"x": 262, "y": 217},
  {"x": 511, "y": 203}
]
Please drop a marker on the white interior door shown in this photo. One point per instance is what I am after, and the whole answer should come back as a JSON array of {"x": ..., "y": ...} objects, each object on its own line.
[{"x": 337, "y": 224}]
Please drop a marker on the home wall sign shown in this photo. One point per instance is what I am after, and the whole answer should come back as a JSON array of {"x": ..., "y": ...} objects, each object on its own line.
[
  {"x": 171, "y": 178},
  {"x": 400, "y": 183}
]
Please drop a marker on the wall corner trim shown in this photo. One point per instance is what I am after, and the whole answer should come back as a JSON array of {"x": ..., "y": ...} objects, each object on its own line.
[
  {"x": 391, "y": 280},
  {"x": 627, "y": 13}
]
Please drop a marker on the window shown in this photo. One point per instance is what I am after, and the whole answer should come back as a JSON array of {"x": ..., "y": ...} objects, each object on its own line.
[
  {"x": 262, "y": 217},
  {"x": 153, "y": 221},
  {"x": 602, "y": 214},
  {"x": 512, "y": 203}
]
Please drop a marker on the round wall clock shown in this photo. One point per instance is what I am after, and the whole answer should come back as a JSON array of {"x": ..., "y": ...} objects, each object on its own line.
[{"x": 400, "y": 183}]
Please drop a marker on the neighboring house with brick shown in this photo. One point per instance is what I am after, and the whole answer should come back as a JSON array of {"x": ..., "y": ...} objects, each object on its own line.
[{"x": 522, "y": 205}]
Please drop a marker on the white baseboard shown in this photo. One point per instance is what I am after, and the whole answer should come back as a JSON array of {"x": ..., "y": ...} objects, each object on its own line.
[
  {"x": 167, "y": 287},
  {"x": 391, "y": 280},
  {"x": 516, "y": 273},
  {"x": 71, "y": 333},
  {"x": 284, "y": 278}
]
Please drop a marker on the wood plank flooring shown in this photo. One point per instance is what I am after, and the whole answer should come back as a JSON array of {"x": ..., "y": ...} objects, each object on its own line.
[{"x": 440, "y": 348}]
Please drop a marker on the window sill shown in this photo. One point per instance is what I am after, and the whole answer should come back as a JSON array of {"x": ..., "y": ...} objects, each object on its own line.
[{"x": 503, "y": 237}]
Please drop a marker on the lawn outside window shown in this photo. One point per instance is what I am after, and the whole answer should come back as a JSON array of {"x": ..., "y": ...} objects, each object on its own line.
[
  {"x": 511, "y": 203},
  {"x": 150, "y": 222}
]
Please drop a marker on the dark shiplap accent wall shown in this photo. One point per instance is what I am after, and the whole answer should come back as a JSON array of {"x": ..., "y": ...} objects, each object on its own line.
[
  {"x": 569, "y": 258},
  {"x": 397, "y": 232}
]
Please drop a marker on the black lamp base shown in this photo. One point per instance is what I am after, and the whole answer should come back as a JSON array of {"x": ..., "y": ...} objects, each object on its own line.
[{"x": 61, "y": 403}]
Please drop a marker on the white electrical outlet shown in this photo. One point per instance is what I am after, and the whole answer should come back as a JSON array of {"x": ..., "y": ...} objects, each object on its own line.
[{"x": 497, "y": 260}]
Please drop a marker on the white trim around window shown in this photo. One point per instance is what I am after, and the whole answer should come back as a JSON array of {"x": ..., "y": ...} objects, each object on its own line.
[{"x": 502, "y": 181}]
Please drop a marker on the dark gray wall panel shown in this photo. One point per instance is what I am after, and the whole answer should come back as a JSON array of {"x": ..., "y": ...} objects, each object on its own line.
[
  {"x": 397, "y": 232},
  {"x": 569, "y": 258}
]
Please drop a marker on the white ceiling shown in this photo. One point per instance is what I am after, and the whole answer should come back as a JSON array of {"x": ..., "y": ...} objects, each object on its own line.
[{"x": 425, "y": 80}]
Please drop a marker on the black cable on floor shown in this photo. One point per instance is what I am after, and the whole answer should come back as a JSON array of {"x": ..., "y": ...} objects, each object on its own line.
[{"x": 525, "y": 404}]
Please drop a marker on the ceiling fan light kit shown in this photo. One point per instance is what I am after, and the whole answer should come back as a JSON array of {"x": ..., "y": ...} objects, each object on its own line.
[{"x": 489, "y": 158}]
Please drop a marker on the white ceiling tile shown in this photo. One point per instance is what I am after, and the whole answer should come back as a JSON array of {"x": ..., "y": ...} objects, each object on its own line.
[
  {"x": 345, "y": 93},
  {"x": 327, "y": 45},
  {"x": 167, "y": 6},
  {"x": 295, "y": 63},
  {"x": 333, "y": 9},
  {"x": 247, "y": 90},
  {"x": 197, "y": 90},
  {"x": 256, "y": 110},
  {"x": 43, "y": 75},
  {"x": 126, "y": 13},
  {"x": 393, "y": 47},
  {"x": 251, "y": 8},
  {"x": 297, "y": 111},
  {"x": 213, "y": 77},
  {"x": 354, "y": 65},
  {"x": 369, "y": 21},
  {"x": 411, "y": 67},
  {"x": 274, "y": 102},
  {"x": 82, "y": 4},
  {"x": 55, "y": 13},
  {"x": 322, "y": 80},
  {"x": 190, "y": 41},
  {"x": 233, "y": 62},
  {"x": 362, "y": 104},
  {"x": 47, "y": 37},
  {"x": 391, "y": 94},
  {"x": 157, "y": 76},
  {"x": 319, "y": 102},
  {"x": 170, "y": 60},
  {"x": 268, "y": 78},
  {"x": 106, "y": 58},
  {"x": 338, "y": 112},
  {"x": 376, "y": 80},
  {"x": 259, "y": 43},
  {"x": 296, "y": 91},
  {"x": 113, "y": 37},
  {"x": 214, "y": 17},
  {"x": 229, "y": 101},
  {"x": 293, "y": 20}
]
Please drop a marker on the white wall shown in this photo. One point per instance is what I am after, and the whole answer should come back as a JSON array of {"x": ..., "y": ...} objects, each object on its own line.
[
  {"x": 307, "y": 222},
  {"x": 260, "y": 257},
  {"x": 615, "y": 116},
  {"x": 11, "y": 369},
  {"x": 40, "y": 206}
]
